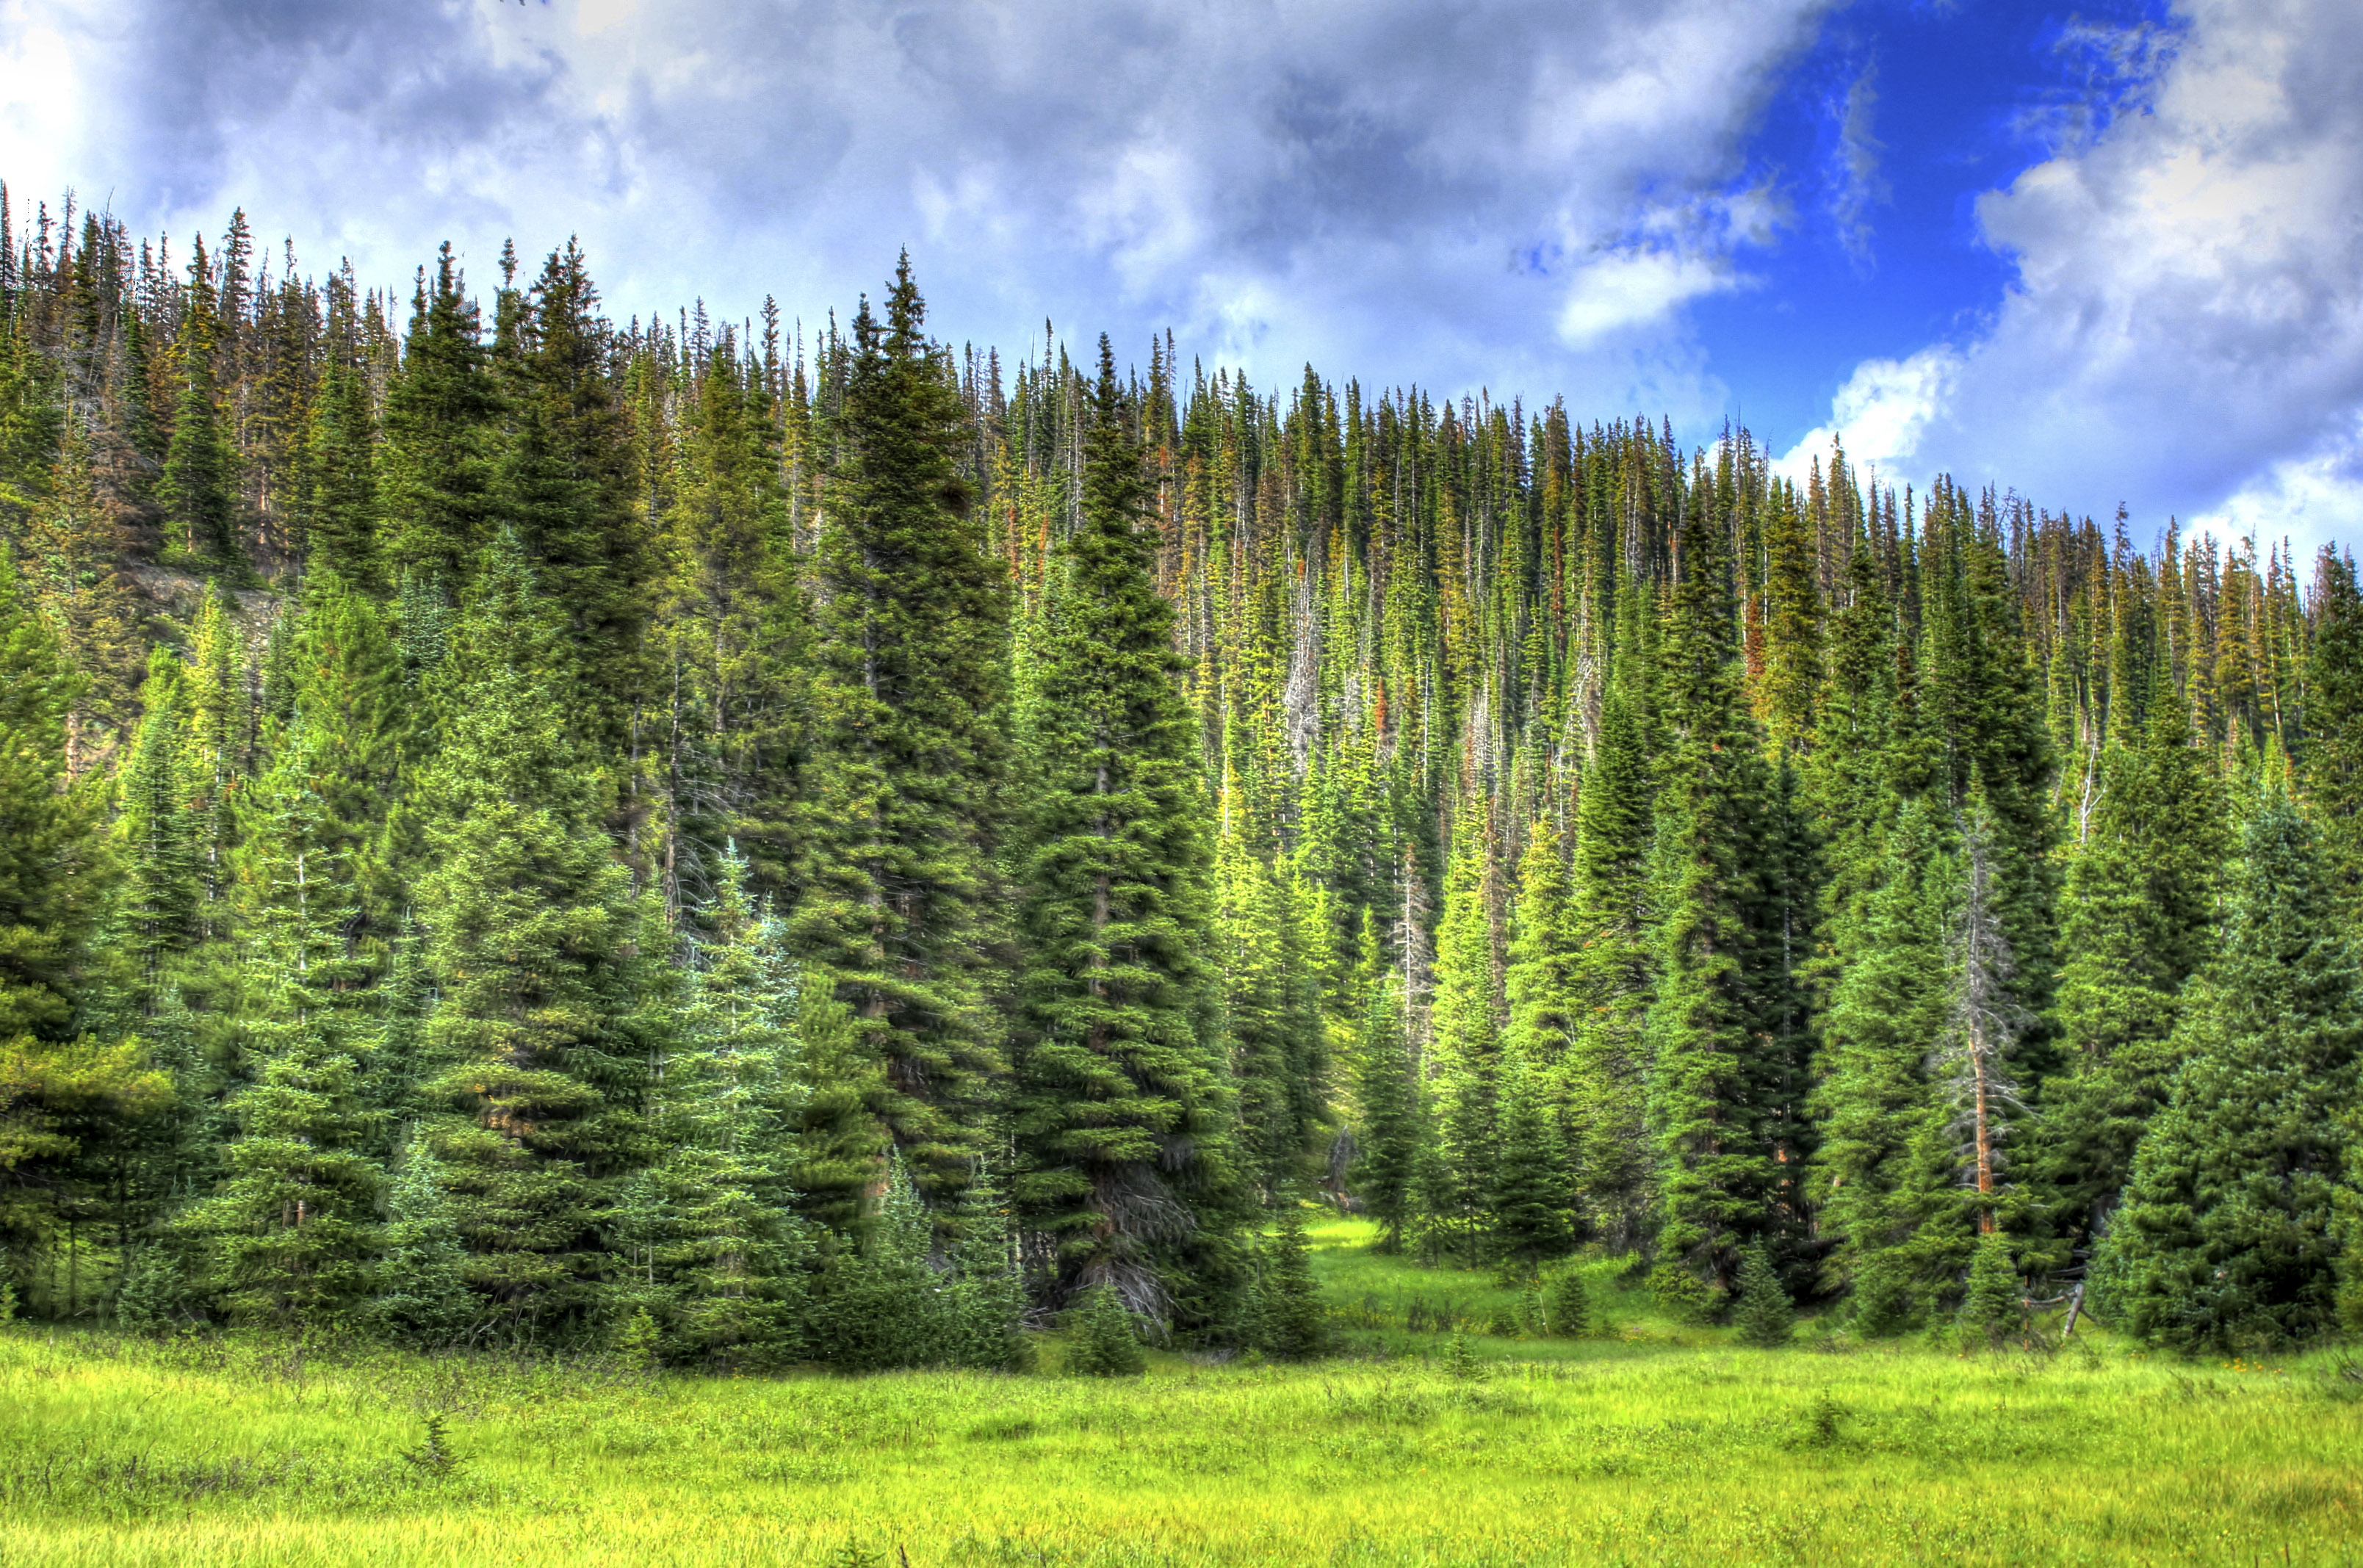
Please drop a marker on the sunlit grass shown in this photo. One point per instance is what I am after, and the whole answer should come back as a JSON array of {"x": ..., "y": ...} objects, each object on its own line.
[{"x": 1633, "y": 1451}]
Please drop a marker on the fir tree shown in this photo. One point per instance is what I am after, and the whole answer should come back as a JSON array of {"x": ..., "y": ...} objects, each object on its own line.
[
  {"x": 1764, "y": 1314},
  {"x": 1117, "y": 1104},
  {"x": 292, "y": 1232},
  {"x": 2230, "y": 1235},
  {"x": 1386, "y": 1141},
  {"x": 531, "y": 941},
  {"x": 1105, "y": 1344},
  {"x": 894, "y": 870},
  {"x": 1720, "y": 1079}
]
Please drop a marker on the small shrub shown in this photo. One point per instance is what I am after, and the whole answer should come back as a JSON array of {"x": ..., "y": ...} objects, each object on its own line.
[
  {"x": 1460, "y": 1360},
  {"x": 1682, "y": 1296},
  {"x": 1105, "y": 1344},
  {"x": 1765, "y": 1317},
  {"x": 1822, "y": 1420},
  {"x": 436, "y": 1455},
  {"x": 1566, "y": 1304}
]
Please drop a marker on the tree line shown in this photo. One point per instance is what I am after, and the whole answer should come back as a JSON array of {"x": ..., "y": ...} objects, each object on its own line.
[{"x": 520, "y": 827}]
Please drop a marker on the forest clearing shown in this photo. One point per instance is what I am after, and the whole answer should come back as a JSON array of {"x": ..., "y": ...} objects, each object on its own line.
[{"x": 1645, "y": 1443}]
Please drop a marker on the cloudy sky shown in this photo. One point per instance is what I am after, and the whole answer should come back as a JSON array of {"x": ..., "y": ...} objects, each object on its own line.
[{"x": 2108, "y": 254}]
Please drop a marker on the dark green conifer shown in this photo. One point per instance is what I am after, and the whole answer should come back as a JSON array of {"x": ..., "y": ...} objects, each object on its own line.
[
  {"x": 894, "y": 871},
  {"x": 532, "y": 942},
  {"x": 1117, "y": 1104},
  {"x": 2230, "y": 1234}
]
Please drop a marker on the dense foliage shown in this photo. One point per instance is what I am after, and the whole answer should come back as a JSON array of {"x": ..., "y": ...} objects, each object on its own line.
[{"x": 519, "y": 826}]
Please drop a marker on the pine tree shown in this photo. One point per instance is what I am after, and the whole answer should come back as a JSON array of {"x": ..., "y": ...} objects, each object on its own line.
[
  {"x": 895, "y": 867},
  {"x": 2229, "y": 1236},
  {"x": 340, "y": 500}
]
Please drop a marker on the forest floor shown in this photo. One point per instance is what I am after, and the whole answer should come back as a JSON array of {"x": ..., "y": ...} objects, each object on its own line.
[{"x": 1647, "y": 1444}]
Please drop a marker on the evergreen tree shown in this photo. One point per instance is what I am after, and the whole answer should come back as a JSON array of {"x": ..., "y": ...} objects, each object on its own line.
[
  {"x": 1105, "y": 1344},
  {"x": 1990, "y": 1306},
  {"x": 1117, "y": 1104},
  {"x": 531, "y": 941},
  {"x": 435, "y": 484},
  {"x": 894, "y": 866},
  {"x": 1291, "y": 1324},
  {"x": 423, "y": 1297},
  {"x": 1764, "y": 1314},
  {"x": 2139, "y": 923},
  {"x": 198, "y": 488},
  {"x": 1721, "y": 1078},
  {"x": 292, "y": 1233},
  {"x": 730, "y": 1096},
  {"x": 2230, "y": 1235},
  {"x": 1387, "y": 1143},
  {"x": 1607, "y": 1061},
  {"x": 1463, "y": 1065}
]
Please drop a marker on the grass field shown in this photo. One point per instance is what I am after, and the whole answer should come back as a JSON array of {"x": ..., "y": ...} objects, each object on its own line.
[{"x": 1650, "y": 1446}]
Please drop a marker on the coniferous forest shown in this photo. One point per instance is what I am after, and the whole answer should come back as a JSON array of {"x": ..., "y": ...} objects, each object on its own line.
[{"x": 772, "y": 842}]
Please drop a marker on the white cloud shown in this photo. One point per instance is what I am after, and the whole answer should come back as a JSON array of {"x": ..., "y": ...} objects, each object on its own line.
[
  {"x": 2185, "y": 333},
  {"x": 1389, "y": 186}
]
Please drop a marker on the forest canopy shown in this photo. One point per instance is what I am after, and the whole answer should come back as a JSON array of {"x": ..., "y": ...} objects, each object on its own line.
[{"x": 758, "y": 848}]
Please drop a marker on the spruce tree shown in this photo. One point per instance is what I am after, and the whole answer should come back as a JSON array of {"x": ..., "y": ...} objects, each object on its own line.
[
  {"x": 894, "y": 869},
  {"x": 2230, "y": 1232},
  {"x": 724, "y": 1113},
  {"x": 1387, "y": 1139},
  {"x": 532, "y": 943},
  {"x": 293, "y": 1232},
  {"x": 198, "y": 489},
  {"x": 1721, "y": 1079},
  {"x": 1117, "y": 1104},
  {"x": 1608, "y": 1059},
  {"x": 2139, "y": 923},
  {"x": 1106, "y": 1343}
]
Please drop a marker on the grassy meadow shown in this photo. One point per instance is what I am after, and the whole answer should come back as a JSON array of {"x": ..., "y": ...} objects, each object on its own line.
[{"x": 1649, "y": 1443}]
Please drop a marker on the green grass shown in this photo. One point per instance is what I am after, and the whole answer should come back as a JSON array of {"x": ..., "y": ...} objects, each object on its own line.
[{"x": 1656, "y": 1446}]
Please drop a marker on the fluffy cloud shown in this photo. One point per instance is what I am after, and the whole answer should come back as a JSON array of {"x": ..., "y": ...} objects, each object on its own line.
[
  {"x": 1399, "y": 187},
  {"x": 2185, "y": 334}
]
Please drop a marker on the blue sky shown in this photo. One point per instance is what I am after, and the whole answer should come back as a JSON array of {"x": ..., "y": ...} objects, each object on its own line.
[{"x": 2106, "y": 254}]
